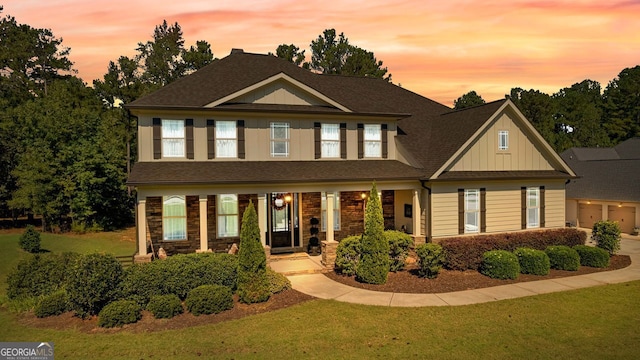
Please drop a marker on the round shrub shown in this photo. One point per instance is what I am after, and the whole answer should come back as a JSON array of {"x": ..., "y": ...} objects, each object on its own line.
[
  {"x": 592, "y": 256},
  {"x": 399, "y": 244},
  {"x": 535, "y": 262},
  {"x": 606, "y": 234},
  {"x": 348, "y": 255},
  {"x": 500, "y": 264},
  {"x": 209, "y": 299},
  {"x": 53, "y": 304},
  {"x": 30, "y": 240},
  {"x": 277, "y": 282},
  {"x": 119, "y": 313},
  {"x": 142, "y": 281},
  {"x": 94, "y": 284},
  {"x": 563, "y": 258},
  {"x": 165, "y": 306},
  {"x": 430, "y": 259},
  {"x": 40, "y": 274}
]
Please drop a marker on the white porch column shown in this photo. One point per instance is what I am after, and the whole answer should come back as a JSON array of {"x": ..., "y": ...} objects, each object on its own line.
[
  {"x": 330, "y": 205},
  {"x": 142, "y": 226},
  {"x": 204, "y": 235},
  {"x": 417, "y": 211},
  {"x": 262, "y": 217}
]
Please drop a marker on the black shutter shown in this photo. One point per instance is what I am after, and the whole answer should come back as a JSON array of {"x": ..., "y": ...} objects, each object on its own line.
[
  {"x": 157, "y": 138},
  {"x": 460, "y": 211},
  {"x": 483, "y": 210},
  {"x": 343, "y": 140},
  {"x": 542, "y": 211},
  {"x": 241, "y": 151},
  {"x": 316, "y": 139},
  {"x": 360, "y": 141},
  {"x": 523, "y": 203},
  {"x": 189, "y": 135},
  {"x": 211, "y": 140},
  {"x": 385, "y": 147}
]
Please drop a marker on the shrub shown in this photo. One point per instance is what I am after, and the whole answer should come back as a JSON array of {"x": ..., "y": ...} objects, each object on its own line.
[
  {"x": 30, "y": 240},
  {"x": 563, "y": 258},
  {"x": 606, "y": 234},
  {"x": 52, "y": 304},
  {"x": 94, "y": 284},
  {"x": 399, "y": 244},
  {"x": 532, "y": 261},
  {"x": 209, "y": 299},
  {"x": 592, "y": 256},
  {"x": 253, "y": 285},
  {"x": 373, "y": 267},
  {"x": 431, "y": 257},
  {"x": 348, "y": 255},
  {"x": 277, "y": 282},
  {"x": 500, "y": 264},
  {"x": 40, "y": 274},
  {"x": 466, "y": 252},
  {"x": 165, "y": 306},
  {"x": 119, "y": 313}
]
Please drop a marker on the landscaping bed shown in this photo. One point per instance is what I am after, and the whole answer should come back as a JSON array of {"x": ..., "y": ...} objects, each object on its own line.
[{"x": 408, "y": 281}]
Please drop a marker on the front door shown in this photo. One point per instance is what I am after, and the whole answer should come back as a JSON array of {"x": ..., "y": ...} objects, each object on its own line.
[{"x": 283, "y": 224}]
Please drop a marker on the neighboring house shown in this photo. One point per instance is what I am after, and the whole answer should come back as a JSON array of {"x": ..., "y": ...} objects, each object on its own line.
[
  {"x": 608, "y": 187},
  {"x": 304, "y": 146}
]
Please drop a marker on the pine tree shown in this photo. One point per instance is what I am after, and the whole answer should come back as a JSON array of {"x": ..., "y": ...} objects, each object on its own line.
[
  {"x": 374, "y": 258},
  {"x": 253, "y": 284}
]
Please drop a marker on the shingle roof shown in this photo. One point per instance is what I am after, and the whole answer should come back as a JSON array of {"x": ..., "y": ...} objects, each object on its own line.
[
  {"x": 499, "y": 175},
  {"x": 603, "y": 175}
]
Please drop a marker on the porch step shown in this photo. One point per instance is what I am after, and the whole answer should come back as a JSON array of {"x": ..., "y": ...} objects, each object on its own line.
[
  {"x": 291, "y": 265},
  {"x": 289, "y": 256}
]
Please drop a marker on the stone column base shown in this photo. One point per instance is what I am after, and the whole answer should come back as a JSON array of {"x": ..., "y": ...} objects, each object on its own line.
[
  {"x": 267, "y": 253},
  {"x": 419, "y": 239},
  {"x": 200, "y": 251},
  {"x": 138, "y": 259},
  {"x": 329, "y": 254}
]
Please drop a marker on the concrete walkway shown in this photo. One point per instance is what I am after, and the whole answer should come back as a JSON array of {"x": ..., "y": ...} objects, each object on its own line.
[{"x": 322, "y": 287}]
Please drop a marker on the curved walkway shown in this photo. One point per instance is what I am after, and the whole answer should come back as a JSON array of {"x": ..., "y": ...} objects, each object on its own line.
[{"x": 322, "y": 287}]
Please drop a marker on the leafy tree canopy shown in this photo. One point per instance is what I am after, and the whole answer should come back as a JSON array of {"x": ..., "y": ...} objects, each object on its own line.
[
  {"x": 468, "y": 100},
  {"x": 622, "y": 105}
]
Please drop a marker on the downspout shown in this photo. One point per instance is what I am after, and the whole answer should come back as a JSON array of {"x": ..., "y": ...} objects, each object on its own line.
[{"x": 428, "y": 237}]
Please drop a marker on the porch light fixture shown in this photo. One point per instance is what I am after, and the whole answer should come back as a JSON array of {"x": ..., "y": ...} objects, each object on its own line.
[
  {"x": 620, "y": 205},
  {"x": 287, "y": 198},
  {"x": 363, "y": 195}
]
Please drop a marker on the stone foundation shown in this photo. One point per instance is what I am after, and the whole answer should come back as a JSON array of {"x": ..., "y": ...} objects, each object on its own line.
[
  {"x": 139, "y": 259},
  {"x": 267, "y": 253},
  {"x": 329, "y": 254},
  {"x": 418, "y": 240}
]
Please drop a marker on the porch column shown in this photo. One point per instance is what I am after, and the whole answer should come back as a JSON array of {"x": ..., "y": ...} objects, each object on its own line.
[
  {"x": 416, "y": 213},
  {"x": 262, "y": 217},
  {"x": 141, "y": 217},
  {"x": 204, "y": 236},
  {"x": 330, "y": 205}
]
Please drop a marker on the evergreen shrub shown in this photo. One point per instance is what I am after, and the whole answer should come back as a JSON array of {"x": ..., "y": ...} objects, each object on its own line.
[
  {"x": 277, "y": 282},
  {"x": 532, "y": 261},
  {"x": 94, "y": 283},
  {"x": 431, "y": 258},
  {"x": 40, "y": 274},
  {"x": 52, "y": 304},
  {"x": 606, "y": 234},
  {"x": 348, "y": 255},
  {"x": 119, "y": 313},
  {"x": 500, "y": 264},
  {"x": 399, "y": 244},
  {"x": 30, "y": 240},
  {"x": 165, "y": 306},
  {"x": 592, "y": 256},
  {"x": 253, "y": 284},
  {"x": 563, "y": 258},
  {"x": 373, "y": 267},
  {"x": 209, "y": 299}
]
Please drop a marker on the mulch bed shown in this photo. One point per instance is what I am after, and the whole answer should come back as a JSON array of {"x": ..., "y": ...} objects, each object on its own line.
[{"x": 408, "y": 281}]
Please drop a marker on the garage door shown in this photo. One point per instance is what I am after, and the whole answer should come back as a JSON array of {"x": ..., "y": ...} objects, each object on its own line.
[
  {"x": 625, "y": 216},
  {"x": 588, "y": 214}
]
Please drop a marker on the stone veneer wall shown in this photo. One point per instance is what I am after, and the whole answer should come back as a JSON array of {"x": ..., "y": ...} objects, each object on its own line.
[
  {"x": 311, "y": 207},
  {"x": 388, "y": 209},
  {"x": 351, "y": 215}
]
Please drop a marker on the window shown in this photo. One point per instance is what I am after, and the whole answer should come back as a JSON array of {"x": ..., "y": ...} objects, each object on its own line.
[
  {"x": 533, "y": 207},
  {"x": 503, "y": 140},
  {"x": 372, "y": 141},
  {"x": 279, "y": 139},
  {"x": 174, "y": 218},
  {"x": 330, "y": 140},
  {"x": 336, "y": 211},
  {"x": 226, "y": 139},
  {"x": 173, "y": 142},
  {"x": 472, "y": 211},
  {"x": 227, "y": 205}
]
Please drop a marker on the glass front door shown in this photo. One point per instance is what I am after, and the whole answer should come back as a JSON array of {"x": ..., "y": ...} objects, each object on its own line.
[{"x": 283, "y": 220}]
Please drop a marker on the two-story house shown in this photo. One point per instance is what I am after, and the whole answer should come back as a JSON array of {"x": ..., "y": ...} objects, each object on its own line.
[{"x": 305, "y": 148}]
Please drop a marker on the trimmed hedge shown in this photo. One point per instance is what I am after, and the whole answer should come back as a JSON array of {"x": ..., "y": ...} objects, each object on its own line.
[
  {"x": 431, "y": 258},
  {"x": 350, "y": 248},
  {"x": 563, "y": 258},
  {"x": 119, "y": 313},
  {"x": 532, "y": 261},
  {"x": 40, "y": 274},
  {"x": 500, "y": 264},
  {"x": 94, "y": 283},
  {"x": 348, "y": 255},
  {"x": 53, "y": 304},
  {"x": 277, "y": 282},
  {"x": 165, "y": 306},
  {"x": 592, "y": 256},
  {"x": 30, "y": 240},
  {"x": 466, "y": 252},
  {"x": 399, "y": 244},
  {"x": 209, "y": 299}
]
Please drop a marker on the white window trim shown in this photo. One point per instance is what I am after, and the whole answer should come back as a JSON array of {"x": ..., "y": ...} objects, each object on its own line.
[
  {"x": 285, "y": 140},
  {"x": 468, "y": 228},
  {"x": 220, "y": 138},
  {"x": 323, "y": 141},
  {"x": 503, "y": 135},
  {"x": 165, "y": 148},
  {"x": 336, "y": 212},
  {"x": 536, "y": 191},
  {"x": 165, "y": 227},
  {"x": 378, "y": 141},
  {"x": 221, "y": 215}
]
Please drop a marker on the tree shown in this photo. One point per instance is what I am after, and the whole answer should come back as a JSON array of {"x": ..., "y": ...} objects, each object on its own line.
[
  {"x": 253, "y": 284},
  {"x": 622, "y": 105},
  {"x": 539, "y": 108},
  {"x": 373, "y": 267},
  {"x": 468, "y": 100},
  {"x": 292, "y": 54}
]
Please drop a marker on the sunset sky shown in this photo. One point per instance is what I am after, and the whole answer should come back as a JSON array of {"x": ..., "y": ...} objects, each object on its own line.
[{"x": 440, "y": 49}]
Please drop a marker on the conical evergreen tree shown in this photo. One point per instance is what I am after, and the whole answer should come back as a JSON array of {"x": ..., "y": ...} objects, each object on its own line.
[
  {"x": 374, "y": 258},
  {"x": 253, "y": 284}
]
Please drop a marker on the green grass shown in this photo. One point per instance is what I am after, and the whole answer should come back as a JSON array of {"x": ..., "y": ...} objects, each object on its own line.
[{"x": 593, "y": 323}]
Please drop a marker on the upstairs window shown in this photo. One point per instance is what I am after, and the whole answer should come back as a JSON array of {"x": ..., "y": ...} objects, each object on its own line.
[
  {"x": 226, "y": 139},
  {"x": 173, "y": 141},
  {"x": 471, "y": 211},
  {"x": 336, "y": 211},
  {"x": 372, "y": 141},
  {"x": 279, "y": 139},
  {"x": 227, "y": 206},
  {"x": 503, "y": 140},
  {"x": 330, "y": 140},
  {"x": 174, "y": 218}
]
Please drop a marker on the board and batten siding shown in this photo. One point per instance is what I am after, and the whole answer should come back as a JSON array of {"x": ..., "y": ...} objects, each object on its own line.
[
  {"x": 484, "y": 155},
  {"x": 280, "y": 92},
  {"x": 503, "y": 205}
]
